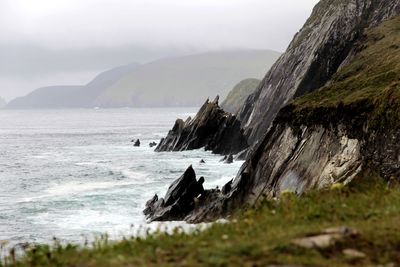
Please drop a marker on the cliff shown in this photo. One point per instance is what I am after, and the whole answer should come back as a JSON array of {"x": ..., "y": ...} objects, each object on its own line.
[
  {"x": 327, "y": 136},
  {"x": 318, "y": 50},
  {"x": 212, "y": 128}
]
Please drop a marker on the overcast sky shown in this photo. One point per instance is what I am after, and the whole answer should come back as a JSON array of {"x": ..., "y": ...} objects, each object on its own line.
[{"x": 53, "y": 42}]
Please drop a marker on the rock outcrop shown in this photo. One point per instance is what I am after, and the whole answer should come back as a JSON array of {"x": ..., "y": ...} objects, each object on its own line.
[
  {"x": 212, "y": 128},
  {"x": 179, "y": 199},
  {"x": 324, "y": 45},
  {"x": 136, "y": 143},
  {"x": 328, "y": 136}
]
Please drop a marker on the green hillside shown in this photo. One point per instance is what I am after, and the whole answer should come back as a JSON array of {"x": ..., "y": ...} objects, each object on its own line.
[
  {"x": 294, "y": 230},
  {"x": 187, "y": 81},
  {"x": 371, "y": 79},
  {"x": 235, "y": 99}
]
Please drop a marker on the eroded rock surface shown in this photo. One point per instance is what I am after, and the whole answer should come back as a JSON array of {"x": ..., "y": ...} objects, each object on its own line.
[
  {"x": 314, "y": 146},
  {"x": 318, "y": 50},
  {"x": 179, "y": 199},
  {"x": 212, "y": 128}
]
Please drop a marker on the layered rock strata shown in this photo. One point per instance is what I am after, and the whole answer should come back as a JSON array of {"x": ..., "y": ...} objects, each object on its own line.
[{"x": 212, "y": 128}]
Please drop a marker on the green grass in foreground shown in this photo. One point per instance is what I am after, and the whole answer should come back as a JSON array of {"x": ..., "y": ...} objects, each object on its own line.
[{"x": 260, "y": 236}]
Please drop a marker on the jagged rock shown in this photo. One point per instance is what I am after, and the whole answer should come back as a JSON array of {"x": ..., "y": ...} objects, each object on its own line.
[
  {"x": 315, "y": 146},
  {"x": 202, "y": 161},
  {"x": 227, "y": 188},
  {"x": 212, "y": 128},
  {"x": 137, "y": 143},
  {"x": 152, "y": 144},
  {"x": 229, "y": 159},
  {"x": 179, "y": 199}
]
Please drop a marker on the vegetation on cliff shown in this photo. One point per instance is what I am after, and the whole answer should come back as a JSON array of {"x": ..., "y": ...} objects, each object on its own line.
[
  {"x": 260, "y": 237},
  {"x": 371, "y": 81},
  {"x": 237, "y": 97}
]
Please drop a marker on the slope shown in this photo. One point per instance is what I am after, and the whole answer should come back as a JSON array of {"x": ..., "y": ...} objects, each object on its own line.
[
  {"x": 238, "y": 95},
  {"x": 187, "y": 81}
]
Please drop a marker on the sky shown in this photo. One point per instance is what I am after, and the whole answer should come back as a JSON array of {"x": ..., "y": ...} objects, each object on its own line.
[{"x": 55, "y": 42}]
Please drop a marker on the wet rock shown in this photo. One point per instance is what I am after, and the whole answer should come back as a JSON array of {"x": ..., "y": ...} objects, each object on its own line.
[
  {"x": 229, "y": 159},
  {"x": 202, "y": 161},
  {"x": 152, "y": 144},
  {"x": 137, "y": 143},
  {"x": 227, "y": 188},
  {"x": 179, "y": 199},
  {"x": 212, "y": 128},
  {"x": 223, "y": 159}
]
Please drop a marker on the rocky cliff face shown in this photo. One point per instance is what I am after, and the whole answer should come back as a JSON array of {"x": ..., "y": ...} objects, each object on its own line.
[
  {"x": 323, "y": 45},
  {"x": 328, "y": 136},
  {"x": 212, "y": 128}
]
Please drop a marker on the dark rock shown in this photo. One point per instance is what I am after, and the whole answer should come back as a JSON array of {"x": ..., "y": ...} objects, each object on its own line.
[
  {"x": 137, "y": 143},
  {"x": 212, "y": 128},
  {"x": 229, "y": 159},
  {"x": 243, "y": 154},
  {"x": 223, "y": 159},
  {"x": 152, "y": 144},
  {"x": 179, "y": 199},
  {"x": 202, "y": 161},
  {"x": 298, "y": 151},
  {"x": 227, "y": 187},
  {"x": 325, "y": 44}
]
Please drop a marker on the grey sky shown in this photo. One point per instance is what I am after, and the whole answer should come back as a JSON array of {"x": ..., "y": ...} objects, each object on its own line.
[{"x": 50, "y": 42}]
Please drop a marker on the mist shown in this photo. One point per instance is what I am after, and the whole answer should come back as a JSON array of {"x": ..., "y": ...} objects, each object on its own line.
[{"x": 47, "y": 42}]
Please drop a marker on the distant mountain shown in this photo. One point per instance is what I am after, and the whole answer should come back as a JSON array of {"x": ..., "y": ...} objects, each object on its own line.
[
  {"x": 186, "y": 81},
  {"x": 237, "y": 97},
  {"x": 2, "y": 102},
  {"x": 73, "y": 96},
  {"x": 179, "y": 81}
]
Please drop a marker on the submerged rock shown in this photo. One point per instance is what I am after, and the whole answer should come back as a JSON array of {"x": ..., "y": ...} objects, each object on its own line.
[
  {"x": 152, "y": 144},
  {"x": 212, "y": 128},
  {"x": 137, "y": 143}
]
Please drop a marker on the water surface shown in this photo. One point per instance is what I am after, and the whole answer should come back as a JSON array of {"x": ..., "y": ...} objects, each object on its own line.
[{"x": 74, "y": 173}]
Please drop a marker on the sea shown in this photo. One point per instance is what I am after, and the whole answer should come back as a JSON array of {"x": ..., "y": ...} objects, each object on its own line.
[{"x": 75, "y": 175}]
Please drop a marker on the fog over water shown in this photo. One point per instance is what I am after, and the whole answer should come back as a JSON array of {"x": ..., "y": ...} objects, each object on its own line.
[{"x": 53, "y": 42}]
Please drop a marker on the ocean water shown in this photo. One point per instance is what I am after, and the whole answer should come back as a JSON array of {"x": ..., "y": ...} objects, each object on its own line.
[{"x": 74, "y": 174}]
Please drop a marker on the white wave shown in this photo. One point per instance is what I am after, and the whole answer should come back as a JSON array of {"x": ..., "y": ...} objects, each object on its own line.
[{"x": 76, "y": 187}]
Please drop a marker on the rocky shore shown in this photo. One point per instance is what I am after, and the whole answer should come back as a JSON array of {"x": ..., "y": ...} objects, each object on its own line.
[
  {"x": 327, "y": 110},
  {"x": 212, "y": 128}
]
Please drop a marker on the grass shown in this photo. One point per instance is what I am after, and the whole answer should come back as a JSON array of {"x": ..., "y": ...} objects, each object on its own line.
[
  {"x": 238, "y": 95},
  {"x": 259, "y": 236},
  {"x": 371, "y": 79},
  {"x": 262, "y": 236}
]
